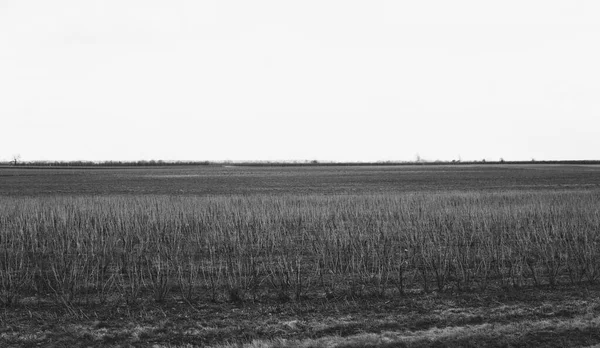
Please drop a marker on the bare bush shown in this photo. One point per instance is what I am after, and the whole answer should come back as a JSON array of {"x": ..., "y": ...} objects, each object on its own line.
[{"x": 289, "y": 247}]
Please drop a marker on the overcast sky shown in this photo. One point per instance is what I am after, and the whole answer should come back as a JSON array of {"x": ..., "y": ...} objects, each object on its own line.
[{"x": 293, "y": 80}]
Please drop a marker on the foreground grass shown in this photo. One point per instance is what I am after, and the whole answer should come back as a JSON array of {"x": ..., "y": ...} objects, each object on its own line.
[
  {"x": 579, "y": 331},
  {"x": 562, "y": 317}
]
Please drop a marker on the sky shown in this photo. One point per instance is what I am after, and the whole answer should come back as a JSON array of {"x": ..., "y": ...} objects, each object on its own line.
[{"x": 327, "y": 80}]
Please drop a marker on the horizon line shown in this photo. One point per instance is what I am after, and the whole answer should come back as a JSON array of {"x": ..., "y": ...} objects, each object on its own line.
[{"x": 83, "y": 163}]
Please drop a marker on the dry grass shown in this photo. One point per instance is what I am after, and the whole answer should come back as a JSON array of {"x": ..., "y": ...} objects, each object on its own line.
[
  {"x": 565, "y": 317},
  {"x": 526, "y": 333}
]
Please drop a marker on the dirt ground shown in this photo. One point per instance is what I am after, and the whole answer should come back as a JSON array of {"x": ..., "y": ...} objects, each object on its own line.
[{"x": 568, "y": 316}]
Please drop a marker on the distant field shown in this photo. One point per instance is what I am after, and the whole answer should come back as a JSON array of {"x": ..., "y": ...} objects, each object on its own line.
[
  {"x": 228, "y": 180},
  {"x": 401, "y": 256}
]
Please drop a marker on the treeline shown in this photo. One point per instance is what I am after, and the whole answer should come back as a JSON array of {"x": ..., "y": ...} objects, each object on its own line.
[
  {"x": 154, "y": 163},
  {"x": 151, "y": 163},
  {"x": 402, "y": 163}
]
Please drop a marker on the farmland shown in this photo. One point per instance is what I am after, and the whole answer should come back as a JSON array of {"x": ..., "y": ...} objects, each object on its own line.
[
  {"x": 354, "y": 256},
  {"x": 232, "y": 180}
]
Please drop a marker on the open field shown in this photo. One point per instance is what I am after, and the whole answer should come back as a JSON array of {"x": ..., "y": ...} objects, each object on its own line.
[
  {"x": 228, "y": 180},
  {"x": 301, "y": 256}
]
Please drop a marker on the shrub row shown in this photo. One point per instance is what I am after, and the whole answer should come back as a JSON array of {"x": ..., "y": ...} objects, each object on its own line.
[{"x": 123, "y": 248}]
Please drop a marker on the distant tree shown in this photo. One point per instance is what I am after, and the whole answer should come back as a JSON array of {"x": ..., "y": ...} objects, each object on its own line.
[
  {"x": 501, "y": 160},
  {"x": 16, "y": 159},
  {"x": 419, "y": 159}
]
